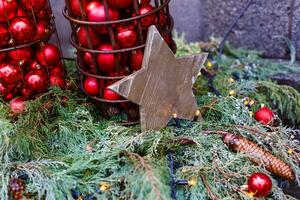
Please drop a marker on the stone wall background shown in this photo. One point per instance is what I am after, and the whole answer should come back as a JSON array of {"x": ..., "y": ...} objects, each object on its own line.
[{"x": 199, "y": 19}]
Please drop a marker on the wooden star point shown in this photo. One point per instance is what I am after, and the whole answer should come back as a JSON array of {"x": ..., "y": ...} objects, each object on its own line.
[{"x": 164, "y": 84}]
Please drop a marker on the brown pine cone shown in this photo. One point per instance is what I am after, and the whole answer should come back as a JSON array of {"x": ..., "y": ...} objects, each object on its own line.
[{"x": 16, "y": 188}]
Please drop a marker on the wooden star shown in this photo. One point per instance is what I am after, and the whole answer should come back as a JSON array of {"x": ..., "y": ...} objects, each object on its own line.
[{"x": 163, "y": 87}]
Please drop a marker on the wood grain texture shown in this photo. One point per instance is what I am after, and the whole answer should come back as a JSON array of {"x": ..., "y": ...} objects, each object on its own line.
[{"x": 164, "y": 84}]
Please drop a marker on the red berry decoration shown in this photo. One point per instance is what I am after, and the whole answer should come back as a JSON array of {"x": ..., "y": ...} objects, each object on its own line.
[
  {"x": 110, "y": 95},
  {"x": 17, "y": 105},
  {"x": 36, "y": 81},
  {"x": 260, "y": 185},
  {"x": 264, "y": 115},
  {"x": 22, "y": 30},
  {"x": 75, "y": 7},
  {"x": 136, "y": 59},
  {"x": 120, "y": 3},
  {"x": 48, "y": 55},
  {"x": 106, "y": 61},
  {"x": 57, "y": 80},
  {"x": 20, "y": 56},
  {"x": 91, "y": 86},
  {"x": 35, "y": 5},
  {"x": 43, "y": 30},
  {"x": 126, "y": 37},
  {"x": 95, "y": 12},
  {"x": 83, "y": 33},
  {"x": 9, "y": 73},
  {"x": 8, "y": 8},
  {"x": 148, "y": 20},
  {"x": 4, "y": 36}
]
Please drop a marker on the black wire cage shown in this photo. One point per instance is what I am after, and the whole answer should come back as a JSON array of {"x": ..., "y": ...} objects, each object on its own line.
[
  {"x": 27, "y": 27},
  {"x": 125, "y": 57}
]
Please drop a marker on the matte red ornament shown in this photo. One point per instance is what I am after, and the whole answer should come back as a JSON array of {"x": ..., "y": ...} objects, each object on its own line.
[
  {"x": 57, "y": 80},
  {"x": 260, "y": 185},
  {"x": 9, "y": 73},
  {"x": 22, "y": 30},
  {"x": 136, "y": 60},
  {"x": 106, "y": 62},
  {"x": 8, "y": 9},
  {"x": 91, "y": 86},
  {"x": 2, "y": 56},
  {"x": 120, "y": 4},
  {"x": 20, "y": 56},
  {"x": 4, "y": 36},
  {"x": 17, "y": 105},
  {"x": 264, "y": 115},
  {"x": 108, "y": 94},
  {"x": 34, "y": 66},
  {"x": 75, "y": 7},
  {"x": 43, "y": 30},
  {"x": 48, "y": 55},
  {"x": 148, "y": 20},
  {"x": 36, "y": 81},
  {"x": 35, "y": 5},
  {"x": 126, "y": 36},
  {"x": 83, "y": 33},
  {"x": 95, "y": 12}
]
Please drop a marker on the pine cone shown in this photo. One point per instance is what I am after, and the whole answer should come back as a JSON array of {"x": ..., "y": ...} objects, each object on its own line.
[{"x": 16, "y": 188}]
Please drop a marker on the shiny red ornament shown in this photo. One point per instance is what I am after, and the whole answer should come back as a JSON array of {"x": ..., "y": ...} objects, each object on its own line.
[
  {"x": 120, "y": 4},
  {"x": 8, "y": 10},
  {"x": 136, "y": 59},
  {"x": 48, "y": 55},
  {"x": 20, "y": 56},
  {"x": 4, "y": 36},
  {"x": 34, "y": 66},
  {"x": 22, "y": 30},
  {"x": 148, "y": 20},
  {"x": 75, "y": 7},
  {"x": 126, "y": 37},
  {"x": 110, "y": 95},
  {"x": 26, "y": 93},
  {"x": 83, "y": 33},
  {"x": 21, "y": 12},
  {"x": 10, "y": 73},
  {"x": 260, "y": 185},
  {"x": 95, "y": 12},
  {"x": 35, "y": 5},
  {"x": 57, "y": 80},
  {"x": 106, "y": 62},
  {"x": 264, "y": 115},
  {"x": 36, "y": 81},
  {"x": 91, "y": 86},
  {"x": 44, "y": 14},
  {"x": 17, "y": 105},
  {"x": 43, "y": 31},
  {"x": 57, "y": 70},
  {"x": 2, "y": 56}
]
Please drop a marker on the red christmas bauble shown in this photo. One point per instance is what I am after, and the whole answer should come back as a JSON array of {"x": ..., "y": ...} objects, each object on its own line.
[
  {"x": 75, "y": 7},
  {"x": 110, "y": 95},
  {"x": 20, "y": 56},
  {"x": 83, "y": 33},
  {"x": 4, "y": 36},
  {"x": 8, "y": 92},
  {"x": 260, "y": 185},
  {"x": 264, "y": 115},
  {"x": 57, "y": 70},
  {"x": 26, "y": 93},
  {"x": 57, "y": 80},
  {"x": 2, "y": 56},
  {"x": 35, "y": 5},
  {"x": 44, "y": 14},
  {"x": 126, "y": 37},
  {"x": 21, "y": 12},
  {"x": 106, "y": 62},
  {"x": 8, "y": 8},
  {"x": 91, "y": 86},
  {"x": 17, "y": 105},
  {"x": 22, "y": 30},
  {"x": 36, "y": 81},
  {"x": 43, "y": 30},
  {"x": 34, "y": 66},
  {"x": 10, "y": 73},
  {"x": 143, "y": 2},
  {"x": 120, "y": 3},
  {"x": 95, "y": 12},
  {"x": 136, "y": 60},
  {"x": 148, "y": 20},
  {"x": 48, "y": 55}
]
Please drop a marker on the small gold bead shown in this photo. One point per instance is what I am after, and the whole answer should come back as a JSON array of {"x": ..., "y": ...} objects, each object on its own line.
[
  {"x": 231, "y": 80},
  {"x": 175, "y": 115},
  {"x": 209, "y": 64},
  {"x": 198, "y": 113},
  {"x": 290, "y": 151},
  {"x": 104, "y": 186},
  {"x": 232, "y": 93},
  {"x": 192, "y": 182}
]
